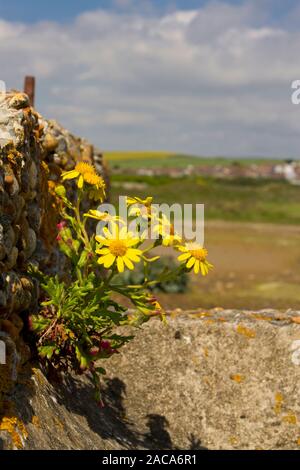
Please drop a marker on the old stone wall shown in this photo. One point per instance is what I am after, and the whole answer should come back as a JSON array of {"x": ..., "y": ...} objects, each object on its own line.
[{"x": 33, "y": 152}]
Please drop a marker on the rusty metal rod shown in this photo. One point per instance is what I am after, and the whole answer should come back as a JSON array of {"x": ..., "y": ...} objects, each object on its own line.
[{"x": 29, "y": 88}]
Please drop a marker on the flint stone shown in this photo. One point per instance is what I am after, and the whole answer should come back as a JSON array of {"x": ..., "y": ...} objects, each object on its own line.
[{"x": 18, "y": 101}]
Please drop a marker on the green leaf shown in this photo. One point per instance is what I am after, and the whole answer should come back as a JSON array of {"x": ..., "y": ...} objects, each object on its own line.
[
  {"x": 40, "y": 323},
  {"x": 83, "y": 258},
  {"x": 47, "y": 351}
]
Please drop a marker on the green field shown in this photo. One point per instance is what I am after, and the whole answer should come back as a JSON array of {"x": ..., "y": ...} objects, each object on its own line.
[
  {"x": 167, "y": 159},
  {"x": 242, "y": 200}
]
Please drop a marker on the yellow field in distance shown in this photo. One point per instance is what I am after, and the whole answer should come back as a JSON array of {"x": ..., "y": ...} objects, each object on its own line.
[{"x": 135, "y": 155}]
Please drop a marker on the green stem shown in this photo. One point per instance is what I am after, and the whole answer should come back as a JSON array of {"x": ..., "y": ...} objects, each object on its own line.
[{"x": 81, "y": 223}]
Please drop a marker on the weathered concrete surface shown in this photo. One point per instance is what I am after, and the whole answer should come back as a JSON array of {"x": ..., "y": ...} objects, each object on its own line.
[{"x": 216, "y": 380}]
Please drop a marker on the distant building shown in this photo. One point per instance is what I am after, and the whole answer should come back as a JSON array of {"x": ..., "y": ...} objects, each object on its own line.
[{"x": 287, "y": 170}]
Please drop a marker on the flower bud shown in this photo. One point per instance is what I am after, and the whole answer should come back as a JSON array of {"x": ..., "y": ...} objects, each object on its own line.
[
  {"x": 61, "y": 225},
  {"x": 94, "y": 351},
  {"x": 60, "y": 191}
]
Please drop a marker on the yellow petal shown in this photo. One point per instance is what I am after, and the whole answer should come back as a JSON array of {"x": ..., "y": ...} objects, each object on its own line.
[
  {"x": 110, "y": 260},
  {"x": 184, "y": 256},
  {"x": 100, "y": 260},
  {"x": 120, "y": 264},
  {"x": 80, "y": 182},
  {"x": 102, "y": 240},
  {"x": 107, "y": 260},
  {"x": 133, "y": 257},
  {"x": 96, "y": 215},
  {"x": 128, "y": 263},
  {"x": 134, "y": 251},
  {"x": 103, "y": 251},
  {"x": 107, "y": 232},
  {"x": 197, "y": 266},
  {"x": 132, "y": 242},
  {"x": 69, "y": 175},
  {"x": 190, "y": 262},
  {"x": 204, "y": 269}
]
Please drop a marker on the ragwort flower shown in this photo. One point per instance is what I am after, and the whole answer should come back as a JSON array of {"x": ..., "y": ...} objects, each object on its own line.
[
  {"x": 195, "y": 257},
  {"x": 116, "y": 247}
]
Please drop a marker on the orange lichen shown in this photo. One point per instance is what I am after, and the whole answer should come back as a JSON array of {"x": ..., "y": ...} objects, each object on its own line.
[
  {"x": 238, "y": 378},
  {"x": 258, "y": 316},
  {"x": 201, "y": 314},
  {"x": 16, "y": 430},
  {"x": 196, "y": 360},
  {"x": 247, "y": 332},
  {"x": 290, "y": 418},
  {"x": 233, "y": 440},
  {"x": 35, "y": 421},
  {"x": 278, "y": 402},
  {"x": 210, "y": 321}
]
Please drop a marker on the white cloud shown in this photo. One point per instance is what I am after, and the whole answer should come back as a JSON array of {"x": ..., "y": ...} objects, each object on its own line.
[{"x": 210, "y": 81}]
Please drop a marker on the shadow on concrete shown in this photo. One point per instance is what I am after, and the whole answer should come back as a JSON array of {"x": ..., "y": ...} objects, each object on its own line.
[
  {"x": 111, "y": 421},
  {"x": 75, "y": 394}
]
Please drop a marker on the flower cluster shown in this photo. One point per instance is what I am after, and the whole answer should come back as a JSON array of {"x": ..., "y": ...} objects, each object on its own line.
[
  {"x": 87, "y": 176},
  {"x": 76, "y": 325}
]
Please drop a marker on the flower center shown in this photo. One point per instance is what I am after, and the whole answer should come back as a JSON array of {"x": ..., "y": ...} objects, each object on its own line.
[
  {"x": 83, "y": 168},
  {"x": 199, "y": 253},
  {"x": 94, "y": 179},
  {"x": 118, "y": 248}
]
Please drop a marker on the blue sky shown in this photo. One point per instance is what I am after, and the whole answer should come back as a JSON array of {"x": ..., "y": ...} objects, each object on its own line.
[
  {"x": 66, "y": 10},
  {"x": 203, "y": 77}
]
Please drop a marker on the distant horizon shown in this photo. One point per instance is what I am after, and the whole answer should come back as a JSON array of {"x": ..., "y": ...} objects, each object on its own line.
[{"x": 227, "y": 157}]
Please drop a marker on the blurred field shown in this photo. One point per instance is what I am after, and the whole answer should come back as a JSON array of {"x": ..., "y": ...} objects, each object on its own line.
[
  {"x": 248, "y": 200},
  {"x": 167, "y": 160},
  {"x": 256, "y": 266},
  {"x": 121, "y": 156},
  {"x": 147, "y": 159},
  {"x": 252, "y": 233}
]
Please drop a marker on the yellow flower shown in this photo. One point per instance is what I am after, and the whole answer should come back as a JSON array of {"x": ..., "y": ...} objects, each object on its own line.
[
  {"x": 97, "y": 190},
  {"x": 102, "y": 216},
  {"x": 166, "y": 230},
  {"x": 195, "y": 256},
  {"x": 118, "y": 248},
  {"x": 81, "y": 170},
  {"x": 142, "y": 208},
  {"x": 86, "y": 174},
  {"x": 136, "y": 200}
]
